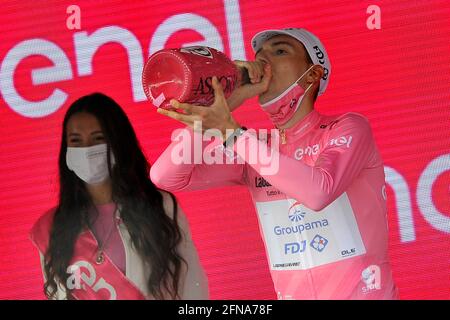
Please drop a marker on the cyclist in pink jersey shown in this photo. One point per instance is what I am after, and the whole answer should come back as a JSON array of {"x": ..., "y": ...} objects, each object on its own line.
[{"x": 321, "y": 197}]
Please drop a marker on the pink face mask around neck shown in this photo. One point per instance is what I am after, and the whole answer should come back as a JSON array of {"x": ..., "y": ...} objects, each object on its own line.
[{"x": 281, "y": 108}]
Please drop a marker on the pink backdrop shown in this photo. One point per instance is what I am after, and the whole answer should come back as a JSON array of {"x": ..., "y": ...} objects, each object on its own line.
[{"x": 397, "y": 76}]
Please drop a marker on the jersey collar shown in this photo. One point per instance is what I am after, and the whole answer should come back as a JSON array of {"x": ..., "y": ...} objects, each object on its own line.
[{"x": 304, "y": 125}]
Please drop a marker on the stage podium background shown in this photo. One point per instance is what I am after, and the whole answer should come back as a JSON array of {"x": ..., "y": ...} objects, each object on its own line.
[{"x": 397, "y": 76}]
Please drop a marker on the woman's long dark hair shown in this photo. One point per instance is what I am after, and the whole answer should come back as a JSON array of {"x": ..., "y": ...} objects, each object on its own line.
[{"x": 153, "y": 233}]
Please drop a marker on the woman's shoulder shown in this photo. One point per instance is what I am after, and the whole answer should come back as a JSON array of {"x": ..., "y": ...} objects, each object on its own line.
[
  {"x": 40, "y": 231},
  {"x": 169, "y": 202}
]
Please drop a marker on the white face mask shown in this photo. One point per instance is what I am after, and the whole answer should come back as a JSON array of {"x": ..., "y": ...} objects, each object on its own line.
[{"x": 90, "y": 164}]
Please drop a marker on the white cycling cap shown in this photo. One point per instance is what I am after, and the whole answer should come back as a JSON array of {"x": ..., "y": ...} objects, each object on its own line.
[{"x": 313, "y": 45}]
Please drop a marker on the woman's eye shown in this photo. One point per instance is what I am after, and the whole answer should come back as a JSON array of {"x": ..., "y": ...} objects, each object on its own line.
[
  {"x": 280, "y": 51},
  {"x": 100, "y": 138}
]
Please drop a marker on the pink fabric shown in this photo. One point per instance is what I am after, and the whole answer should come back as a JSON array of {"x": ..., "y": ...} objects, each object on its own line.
[
  {"x": 105, "y": 223},
  {"x": 322, "y": 215},
  {"x": 98, "y": 281}
]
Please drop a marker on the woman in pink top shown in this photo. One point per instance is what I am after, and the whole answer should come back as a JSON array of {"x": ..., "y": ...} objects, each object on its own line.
[
  {"x": 113, "y": 234},
  {"x": 320, "y": 194}
]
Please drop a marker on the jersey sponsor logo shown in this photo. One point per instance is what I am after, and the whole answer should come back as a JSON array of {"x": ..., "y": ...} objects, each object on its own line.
[
  {"x": 272, "y": 193},
  {"x": 279, "y": 230},
  {"x": 295, "y": 247},
  {"x": 296, "y": 216},
  {"x": 371, "y": 276},
  {"x": 348, "y": 252},
  {"x": 260, "y": 182},
  {"x": 310, "y": 150},
  {"x": 319, "y": 243},
  {"x": 296, "y": 213},
  {"x": 341, "y": 141},
  {"x": 331, "y": 234}
]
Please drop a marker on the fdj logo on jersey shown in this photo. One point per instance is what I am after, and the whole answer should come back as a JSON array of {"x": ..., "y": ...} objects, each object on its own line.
[{"x": 295, "y": 247}]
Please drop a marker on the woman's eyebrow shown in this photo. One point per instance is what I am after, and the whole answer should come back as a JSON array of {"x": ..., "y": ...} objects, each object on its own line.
[{"x": 92, "y": 133}]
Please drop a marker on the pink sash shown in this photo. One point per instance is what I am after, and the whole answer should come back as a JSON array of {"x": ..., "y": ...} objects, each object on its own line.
[{"x": 88, "y": 280}]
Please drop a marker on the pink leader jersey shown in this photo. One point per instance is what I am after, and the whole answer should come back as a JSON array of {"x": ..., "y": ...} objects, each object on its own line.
[{"x": 322, "y": 215}]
